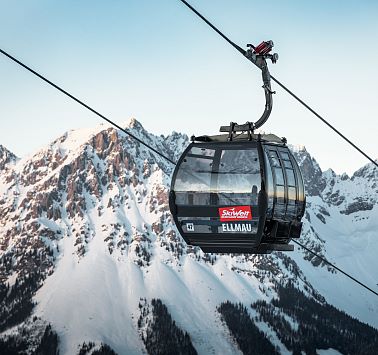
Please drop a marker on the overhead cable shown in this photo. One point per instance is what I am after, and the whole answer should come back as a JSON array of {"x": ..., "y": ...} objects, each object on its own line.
[
  {"x": 335, "y": 267},
  {"x": 153, "y": 149},
  {"x": 283, "y": 86},
  {"x": 85, "y": 105}
]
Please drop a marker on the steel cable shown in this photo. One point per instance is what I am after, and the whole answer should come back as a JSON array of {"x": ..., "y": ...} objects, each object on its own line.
[
  {"x": 154, "y": 150},
  {"x": 242, "y": 51}
]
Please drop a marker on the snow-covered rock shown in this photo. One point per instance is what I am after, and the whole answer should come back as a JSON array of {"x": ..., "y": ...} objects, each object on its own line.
[{"x": 86, "y": 232}]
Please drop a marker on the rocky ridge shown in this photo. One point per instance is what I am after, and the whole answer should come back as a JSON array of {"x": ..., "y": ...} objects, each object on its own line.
[{"x": 98, "y": 188}]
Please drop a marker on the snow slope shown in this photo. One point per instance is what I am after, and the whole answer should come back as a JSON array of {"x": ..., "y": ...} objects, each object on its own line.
[{"x": 93, "y": 208}]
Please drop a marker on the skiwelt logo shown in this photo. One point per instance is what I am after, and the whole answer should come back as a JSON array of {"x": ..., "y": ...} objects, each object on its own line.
[{"x": 235, "y": 213}]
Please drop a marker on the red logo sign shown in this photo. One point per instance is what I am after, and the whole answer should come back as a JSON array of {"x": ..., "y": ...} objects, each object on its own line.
[{"x": 235, "y": 213}]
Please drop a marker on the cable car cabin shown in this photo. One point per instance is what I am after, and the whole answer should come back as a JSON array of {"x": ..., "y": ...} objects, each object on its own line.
[
  {"x": 239, "y": 192},
  {"x": 244, "y": 195}
]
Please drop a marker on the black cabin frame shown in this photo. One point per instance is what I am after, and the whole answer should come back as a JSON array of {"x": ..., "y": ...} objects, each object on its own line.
[{"x": 275, "y": 229}]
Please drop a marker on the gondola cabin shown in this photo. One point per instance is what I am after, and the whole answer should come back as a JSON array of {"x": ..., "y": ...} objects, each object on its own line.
[{"x": 238, "y": 193}]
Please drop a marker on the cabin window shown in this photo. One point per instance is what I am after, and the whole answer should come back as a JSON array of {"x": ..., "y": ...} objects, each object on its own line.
[
  {"x": 193, "y": 181},
  {"x": 218, "y": 177},
  {"x": 238, "y": 177}
]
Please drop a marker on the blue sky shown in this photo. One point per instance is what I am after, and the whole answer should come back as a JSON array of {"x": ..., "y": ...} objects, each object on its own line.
[{"x": 154, "y": 60}]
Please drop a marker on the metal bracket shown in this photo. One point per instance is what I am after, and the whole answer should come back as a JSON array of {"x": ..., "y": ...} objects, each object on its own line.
[
  {"x": 258, "y": 55},
  {"x": 234, "y": 128}
]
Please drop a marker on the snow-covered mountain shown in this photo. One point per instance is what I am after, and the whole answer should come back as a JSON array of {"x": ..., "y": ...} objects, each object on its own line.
[{"x": 89, "y": 254}]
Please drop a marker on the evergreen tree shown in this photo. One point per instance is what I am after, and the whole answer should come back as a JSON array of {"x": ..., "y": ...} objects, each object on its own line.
[
  {"x": 246, "y": 334},
  {"x": 163, "y": 336}
]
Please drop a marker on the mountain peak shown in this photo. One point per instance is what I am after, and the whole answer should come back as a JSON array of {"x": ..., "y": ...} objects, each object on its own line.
[
  {"x": 368, "y": 171},
  {"x": 133, "y": 123},
  {"x": 92, "y": 208},
  {"x": 298, "y": 148},
  {"x": 6, "y": 157}
]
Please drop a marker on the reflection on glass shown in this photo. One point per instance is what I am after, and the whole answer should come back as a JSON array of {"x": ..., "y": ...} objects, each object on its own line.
[
  {"x": 194, "y": 175},
  {"x": 235, "y": 180},
  {"x": 274, "y": 157},
  {"x": 284, "y": 155},
  {"x": 292, "y": 195},
  {"x": 280, "y": 194},
  {"x": 291, "y": 211},
  {"x": 239, "y": 171},
  {"x": 190, "y": 198},
  {"x": 238, "y": 177},
  {"x": 279, "y": 210},
  {"x": 192, "y": 185},
  {"x": 279, "y": 176},
  {"x": 290, "y": 177},
  {"x": 269, "y": 185},
  {"x": 300, "y": 182}
]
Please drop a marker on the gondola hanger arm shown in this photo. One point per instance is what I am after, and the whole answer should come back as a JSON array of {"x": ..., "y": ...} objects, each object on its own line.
[{"x": 242, "y": 51}]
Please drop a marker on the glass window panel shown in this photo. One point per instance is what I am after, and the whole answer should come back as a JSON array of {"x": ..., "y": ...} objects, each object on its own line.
[
  {"x": 292, "y": 195},
  {"x": 300, "y": 182},
  {"x": 269, "y": 186},
  {"x": 239, "y": 179},
  {"x": 279, "y": 176},
  {"x": 273, "y": 153},
  {"x": 191, "y": 198},
  {"x": 291, "y": 211},
  {"x": 290, "y": 177},
  {"x": 280, "y": 194},
  {"x": 194, "y": 175},
  {"x": 287, "y": 164},
  {"x": 236, "y": 181},
  {"x": 284, "y": 155},
  {"x": 182, "y": 198},
  {"x": 279, "y": 211},
  {"x": 239, "y": 172},
  {"x": 239, "y": 162},
  {"x": 274, "y": 157},
  {"x": 237, "y": 198},
  {"x": 202, "y": 151}
]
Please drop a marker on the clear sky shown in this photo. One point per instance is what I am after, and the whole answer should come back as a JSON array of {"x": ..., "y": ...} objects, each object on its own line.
[{"x": 156, "y": 61}]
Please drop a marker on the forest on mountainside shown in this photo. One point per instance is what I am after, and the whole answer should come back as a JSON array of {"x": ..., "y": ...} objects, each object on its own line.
[
  {"x": 305, "y": 324},
  {"x": 161, "y": 334}
]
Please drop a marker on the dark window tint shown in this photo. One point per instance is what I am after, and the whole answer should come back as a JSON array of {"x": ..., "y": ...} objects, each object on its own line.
[
  {"x": 269, "y": 186},
  {"x": 279, "y": 210},
  {"x": 300, "y": 182},
  {"x": 291, "y": 211},
  {"x": 289, "y": 189}
]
